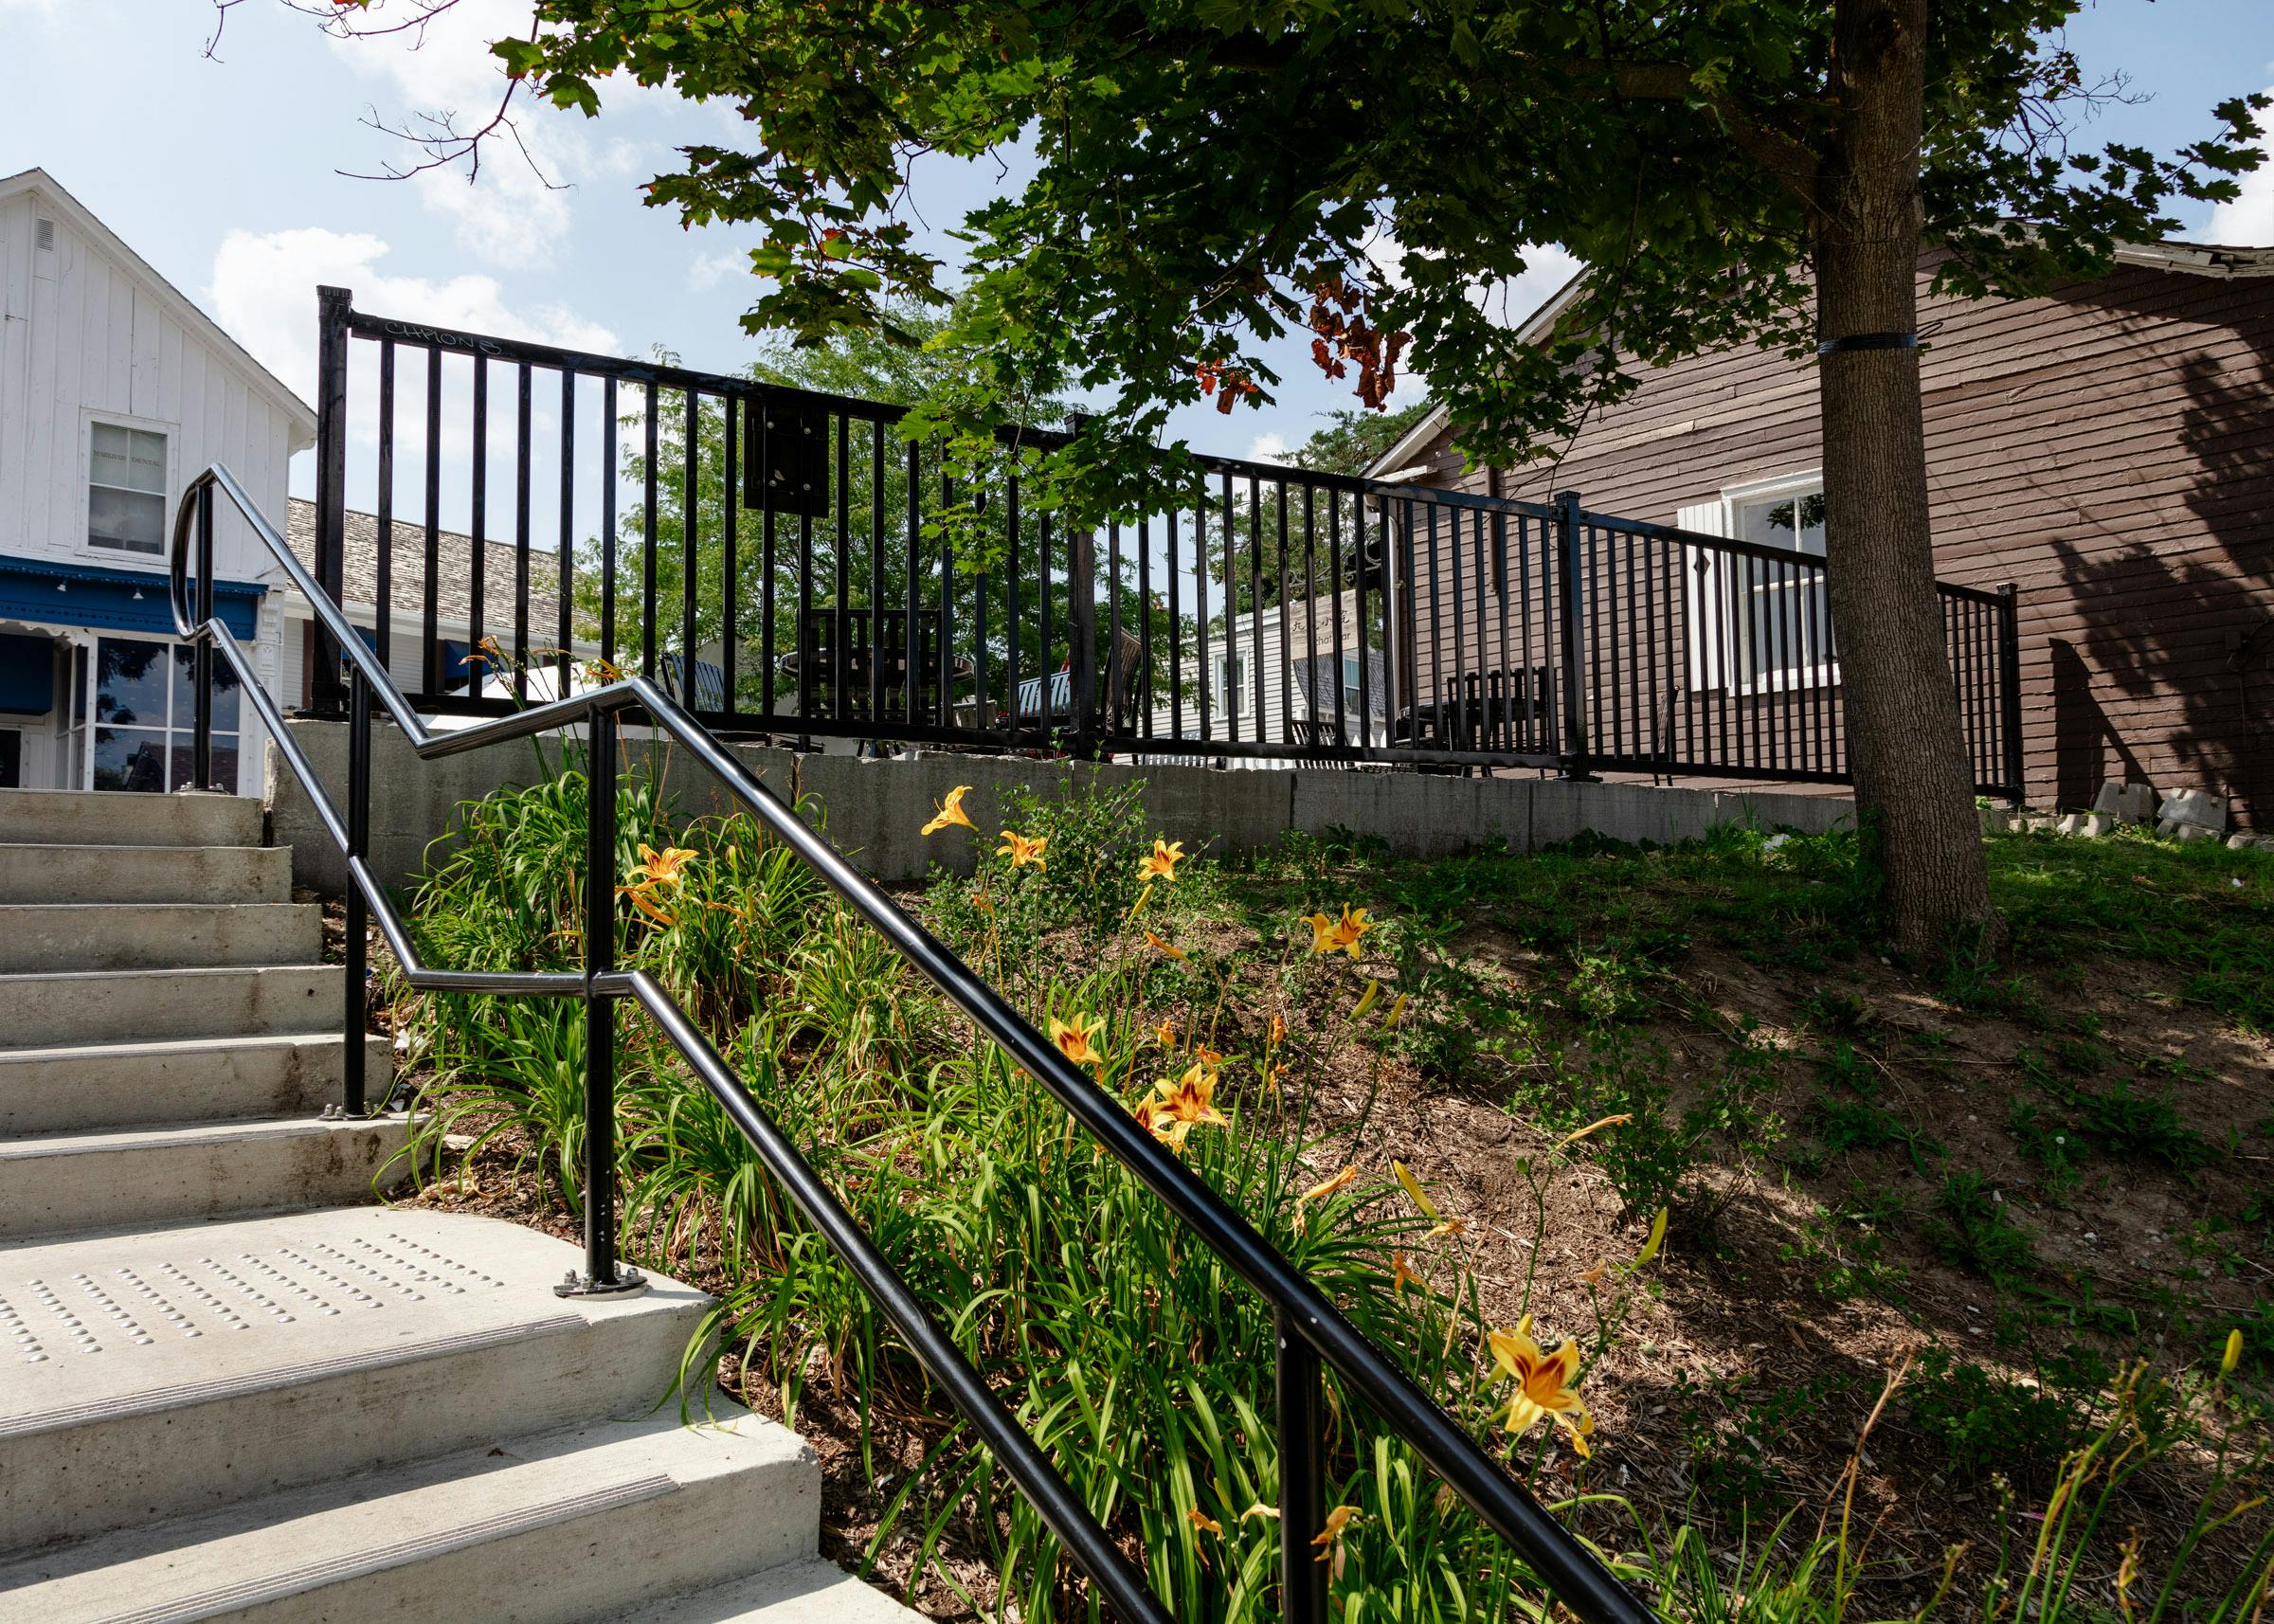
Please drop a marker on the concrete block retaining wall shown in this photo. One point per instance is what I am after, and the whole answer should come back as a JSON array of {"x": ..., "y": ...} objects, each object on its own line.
[{"x": 873, "y": 809}]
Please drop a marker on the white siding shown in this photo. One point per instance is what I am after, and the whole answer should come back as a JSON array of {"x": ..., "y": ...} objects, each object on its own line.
[{"x": 81, "y": 338}]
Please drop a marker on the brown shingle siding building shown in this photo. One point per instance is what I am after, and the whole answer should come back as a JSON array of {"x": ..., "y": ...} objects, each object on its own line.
[{"x": 2109, "y": 450}]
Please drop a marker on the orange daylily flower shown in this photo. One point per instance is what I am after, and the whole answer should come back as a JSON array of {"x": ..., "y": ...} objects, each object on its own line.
[
  {"x": 1075, "y": 1041},
  {"x": 1162, "y": 863},
  {"x": 1166, "y": 1035},
  {"x": 1547, "y": 1383},
  {"x": 1593, "y": 1278},
  {"x": 1341, "y": 1180},
  {"x": 1021, "y": 850},
  {"x": 1341, "y": 935},
  {"x": 1159, "y": 946},
  {"x": 662, "y": 868},
  {"x": 1202, "y": 1521},
  {"x": 1190, "y": 1102},
  {"x": 1278, "y": 1032},
  {"x": 1574, "y": 1137},
  {"x": 1206, "y": 1055},
  {"x": 1401, "y": 1275},
  {"x": 1329, "y": 1537},
  {"x": 654, "y": 871},
  {"x": 952, "y": 812}
]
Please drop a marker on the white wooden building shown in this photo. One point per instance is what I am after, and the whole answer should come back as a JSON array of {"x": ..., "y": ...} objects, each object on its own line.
[
  {"x": 1300, "y": 690},
  {"x": 116, "y": 390}
]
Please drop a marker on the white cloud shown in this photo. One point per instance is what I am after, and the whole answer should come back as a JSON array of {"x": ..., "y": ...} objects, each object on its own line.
[
  {"x": 709, "y": 270},
  {"x": 263, "y": 291},
  {"x": 1271, "y": 447},
  {"x": 2249, "y": 220}
]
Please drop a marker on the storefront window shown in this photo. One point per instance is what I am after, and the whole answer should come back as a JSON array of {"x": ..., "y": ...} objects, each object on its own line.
[{"x": 143, "y": 733}]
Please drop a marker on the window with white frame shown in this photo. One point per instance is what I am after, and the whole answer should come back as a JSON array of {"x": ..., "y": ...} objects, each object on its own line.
[
  {"x": 126, "y": 489},
  {"x": 1229, "y": 679},
  {"x": 1756, "y": 621},
  {"x": 1352, "y": 699}
]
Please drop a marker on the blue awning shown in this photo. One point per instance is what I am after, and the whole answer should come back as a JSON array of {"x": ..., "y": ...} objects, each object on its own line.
[{"x": 115, "y": 600}]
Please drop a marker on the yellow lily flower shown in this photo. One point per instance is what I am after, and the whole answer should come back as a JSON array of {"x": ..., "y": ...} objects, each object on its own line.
[
  {"x": 662, "y": 868},
  {"x": 951, "y": 811},
  {"x": 1278, "y": 1032},
  {"x": 1159, "y": 946},
  {"x": 1075, "y": 1041},
  {"x": 1188, "y": 1103},
  {"x": 1547, "y": 1383},
  {"x": 1021, "y": 850},
  {"x": 1350, "y": 928},
  {"x": 1166, "y": 1035},
  {"x": 1329, "y": 1537},
  {"x": 1322, "y": 932},
  {"x": 1342, "y": 1180},
  {"x": 1202, "y": 1521},
  {"x": 1402, "y": 1275},
  {"x": 1162, "y": 863}
]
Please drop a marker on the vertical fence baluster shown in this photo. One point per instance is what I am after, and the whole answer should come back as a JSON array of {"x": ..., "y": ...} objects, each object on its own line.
[
  {"x": 876, "y": 615},
  {"x": 1568, "y": 617},
  {"x": 332, "y": 307},
  {"x": 1334, "y": 574},
  {"x": 353, "y": 1016},
  {"x": 521, "y": 457},
  {"x": 1310, "y": 616},
  {"x": 762, "y": 412},
  {"x": 1286, "y": 655},
  {"x": 1301, "y": 1425},
  {"x": 607, "y": 521},
  {"x": 691, "y": 545},
  {"x": 200, "y": 739},
  {"x": 1255, "y": 599},
  {"x": 841, "y": 606},
  {"x": 2009, "y": 684},
  {"x": 805, "y": 642},
  {"x": 649, "y": 453},
  {"x": 478, "y": 531},
  {"x": 437, "y": 678},
  {"x": 1144, "y": 707},
  {"x": 730, "y": 562},
  {"x": 383, "y": 565},
  {"x": 564, "y": 560},
  {"x": 1010, "y": 606}
]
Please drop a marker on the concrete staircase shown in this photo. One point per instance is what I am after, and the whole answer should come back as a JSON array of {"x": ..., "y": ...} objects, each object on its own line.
[{"x": 233, "y": 1385}]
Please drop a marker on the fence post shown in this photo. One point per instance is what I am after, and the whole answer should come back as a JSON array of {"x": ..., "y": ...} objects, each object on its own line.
[
  {"x": 1570, "y": 617},
  {"x": 326, "y": 696},
  {"x": 2009, "y": 683},
  {"x": 602, "y": 1276}
]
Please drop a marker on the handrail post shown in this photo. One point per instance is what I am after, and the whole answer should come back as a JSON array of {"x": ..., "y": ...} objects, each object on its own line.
[
  {"x": 331, "y": 310},
  {"x": 201, "y": 761},
  {"x": 602, "y": 1276},
  {"x": 1301, "y": 1426},
  {"x": 1081, "y": 633},
  {"x": 355, "y": 1015},
  {"x": 2008, "y": 682},
  {"x": 1569, "y": 620}
]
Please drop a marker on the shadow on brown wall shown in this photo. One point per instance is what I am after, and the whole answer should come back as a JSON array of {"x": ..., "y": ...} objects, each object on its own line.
[{"x": 2173, "y": 659}]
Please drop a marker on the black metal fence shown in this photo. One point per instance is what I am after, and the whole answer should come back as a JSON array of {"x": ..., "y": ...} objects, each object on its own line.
[{"x": 786, "y": 564}]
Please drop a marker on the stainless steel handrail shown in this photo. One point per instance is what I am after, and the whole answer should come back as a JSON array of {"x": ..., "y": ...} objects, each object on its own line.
[{"x": 1311, "y": 1329}]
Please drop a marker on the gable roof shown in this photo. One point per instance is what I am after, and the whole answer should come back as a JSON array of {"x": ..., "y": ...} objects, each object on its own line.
[
  {"x": 298, "y": 412},
  {"x": 2193, "y": 259},
  {"x": 454, "y": 570}
]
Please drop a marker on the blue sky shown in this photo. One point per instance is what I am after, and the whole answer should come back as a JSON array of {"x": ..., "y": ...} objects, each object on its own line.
[{"x": 225, "y": 175}]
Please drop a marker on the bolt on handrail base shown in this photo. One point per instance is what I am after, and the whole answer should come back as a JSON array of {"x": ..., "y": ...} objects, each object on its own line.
[{"x": 629, "y": 1282}]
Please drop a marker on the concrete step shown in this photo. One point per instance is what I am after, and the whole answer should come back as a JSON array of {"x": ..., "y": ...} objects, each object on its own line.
[
  {"x": 150, "y": 935},
  {"x": 57, "y": 1183},
  {"x": 795, "y": 1592},
  {"x": 91, "y": 1006},
  {"x": 169, "y": 1372},
  {"x": 108, "y": 818},
  {"x": 548, "y": 1529},
  {"x": 144, "y": 874},
  {"x": 85, "y": 1087}
]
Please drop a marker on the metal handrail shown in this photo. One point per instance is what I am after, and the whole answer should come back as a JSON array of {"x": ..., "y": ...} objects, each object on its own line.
[{"x": 1310, "y": 1330}]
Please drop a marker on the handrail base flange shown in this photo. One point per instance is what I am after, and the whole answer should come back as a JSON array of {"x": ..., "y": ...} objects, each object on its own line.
[{"x": 628, "y": 1283}]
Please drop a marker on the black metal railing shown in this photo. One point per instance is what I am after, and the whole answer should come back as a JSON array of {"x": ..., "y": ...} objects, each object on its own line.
[
  {"x": 1311, "y": 1333},
  {"x": 1267, "y": 611}
]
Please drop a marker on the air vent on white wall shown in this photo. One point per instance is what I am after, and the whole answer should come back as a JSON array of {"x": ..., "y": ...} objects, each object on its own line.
[{"x": 43, "y": 233}]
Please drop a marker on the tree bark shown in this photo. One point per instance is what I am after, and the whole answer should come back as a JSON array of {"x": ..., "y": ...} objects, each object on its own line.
[{"x": 1913, "y": 789}]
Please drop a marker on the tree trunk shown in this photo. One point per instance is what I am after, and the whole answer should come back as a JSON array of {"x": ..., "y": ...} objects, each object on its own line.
[{"x": 1913, "y": 788}]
